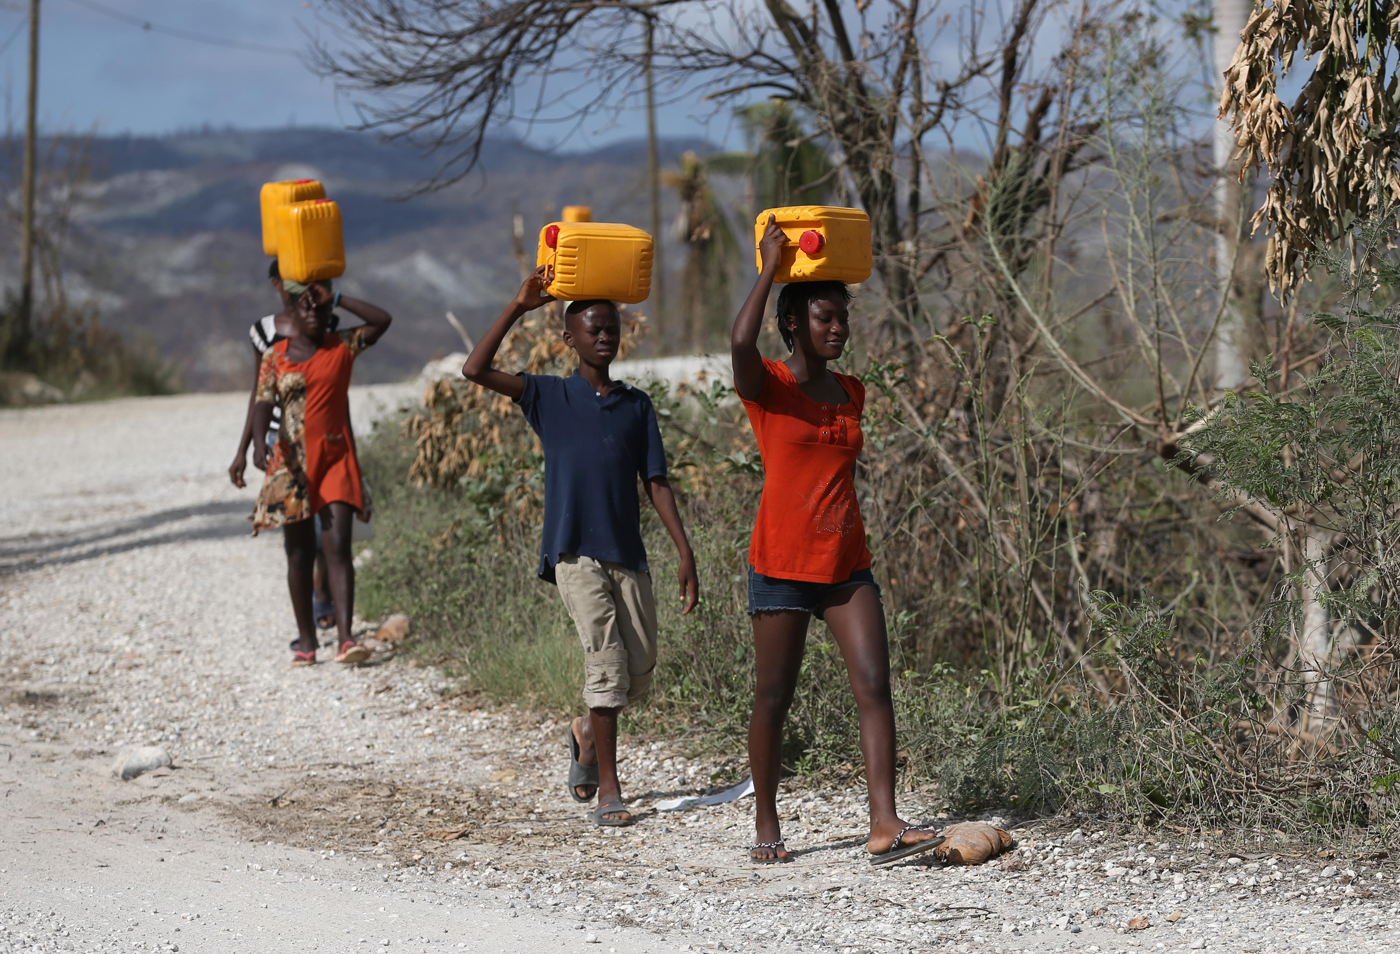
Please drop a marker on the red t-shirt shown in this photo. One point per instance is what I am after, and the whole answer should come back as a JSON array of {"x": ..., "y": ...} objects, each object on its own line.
[{"x": 809, "y": 525}]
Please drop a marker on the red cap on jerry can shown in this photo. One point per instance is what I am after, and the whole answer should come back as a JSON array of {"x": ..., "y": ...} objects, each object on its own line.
[
  {"x": 551, "y": 236},
  {"x": 811, "y": 242}
]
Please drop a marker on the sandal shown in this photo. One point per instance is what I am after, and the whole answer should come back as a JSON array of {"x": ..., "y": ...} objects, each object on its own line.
[
  {"x": 323, "y": 611},
  {"x": 896, "y": 853},
  {"x": 611, "y": 807},
  {"x": 775, "y": 860},
  {"x": 579, "y": 774},
  {"x": 352, "y": 652},
  {"x": 301, "y": 657}
]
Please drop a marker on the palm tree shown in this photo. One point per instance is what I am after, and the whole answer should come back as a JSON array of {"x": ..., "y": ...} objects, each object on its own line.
[
  {"x": 713, "y": 255},
  {"x": 785, "y": 164}
]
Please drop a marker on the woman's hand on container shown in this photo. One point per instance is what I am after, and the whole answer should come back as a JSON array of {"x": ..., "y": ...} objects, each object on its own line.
[
  {"x": 770, "y": 247},
  {"x": 532, "y": 291},
  {"x": 260, "y": 456},
  {"x": 319, "y": 294}
]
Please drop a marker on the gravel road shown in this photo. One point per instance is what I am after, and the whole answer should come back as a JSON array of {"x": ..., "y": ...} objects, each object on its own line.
[{"x": 301, "y": 809}]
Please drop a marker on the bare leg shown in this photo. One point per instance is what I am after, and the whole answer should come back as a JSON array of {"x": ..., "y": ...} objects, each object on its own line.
[
  {"x": 779, "y": 639},
  {"x": 322, "y": 582},
  {"x": 335, "y": 544},
  {"x": 299, "y": 543},
  {"x": 603, "y": 723},
  {"x": 857, "y": 621}
]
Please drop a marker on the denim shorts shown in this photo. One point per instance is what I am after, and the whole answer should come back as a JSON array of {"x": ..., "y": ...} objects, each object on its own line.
[{"x": 768, "y": 594}]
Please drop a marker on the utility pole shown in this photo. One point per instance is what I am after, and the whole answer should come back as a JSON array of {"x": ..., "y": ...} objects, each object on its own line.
[
  {"x": 658, "y": 267},
  {"x": 26, "y": 235}
]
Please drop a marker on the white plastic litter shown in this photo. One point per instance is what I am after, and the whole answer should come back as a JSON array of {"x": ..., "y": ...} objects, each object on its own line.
[{"x": 719, "y": 798}]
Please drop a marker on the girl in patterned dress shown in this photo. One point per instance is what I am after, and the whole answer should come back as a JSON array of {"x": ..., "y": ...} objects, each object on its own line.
[
  {"x": 263, "y": 334},
  {"x": 312, "y": 469}
]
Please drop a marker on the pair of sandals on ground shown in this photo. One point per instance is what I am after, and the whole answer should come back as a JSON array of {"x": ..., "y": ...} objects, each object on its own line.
[
  {"x": 610, "y": 812},
  {"x": 324, "y": 613}
]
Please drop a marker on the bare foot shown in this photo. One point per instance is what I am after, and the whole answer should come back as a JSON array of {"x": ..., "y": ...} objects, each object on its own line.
[
  {"x": 587, "y": 755},
  {"x": 882, "y": 836}
]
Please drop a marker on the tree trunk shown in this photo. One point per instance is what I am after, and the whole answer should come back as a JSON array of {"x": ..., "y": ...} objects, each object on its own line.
[
  {"x": 1315, "y": 637},
  {"x": 658, "y": 262},
  {"x": 1238, "y": 264}
]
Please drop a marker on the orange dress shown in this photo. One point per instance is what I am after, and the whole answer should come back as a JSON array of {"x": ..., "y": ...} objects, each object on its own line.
[
  {"x": 313, "y": 463},
  {"x": 809, "y": 526}
]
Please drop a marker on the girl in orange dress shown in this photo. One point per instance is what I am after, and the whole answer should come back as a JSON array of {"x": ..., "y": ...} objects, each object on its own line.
[{"x": 312, "y": 470}]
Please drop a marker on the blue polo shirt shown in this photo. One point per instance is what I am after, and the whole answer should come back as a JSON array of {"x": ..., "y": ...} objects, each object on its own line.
[{"x": 595, "y": 448}]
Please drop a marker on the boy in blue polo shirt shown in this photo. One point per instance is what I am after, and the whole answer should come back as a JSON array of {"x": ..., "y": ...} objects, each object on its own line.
[{"x": 599, "y": 437}]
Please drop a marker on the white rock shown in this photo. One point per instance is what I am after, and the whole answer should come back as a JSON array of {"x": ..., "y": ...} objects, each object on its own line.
[
  {"x": 1198, "y": 944},
  {"x": 137, "y": 760},
  {"x": 448, "y": 366}
]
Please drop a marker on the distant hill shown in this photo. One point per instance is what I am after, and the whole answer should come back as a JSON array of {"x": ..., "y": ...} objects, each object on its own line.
[{"x": 167, "y": 243}]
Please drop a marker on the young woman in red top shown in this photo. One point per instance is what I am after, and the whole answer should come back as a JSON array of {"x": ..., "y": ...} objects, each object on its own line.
[{"x": 808, "y": 555}]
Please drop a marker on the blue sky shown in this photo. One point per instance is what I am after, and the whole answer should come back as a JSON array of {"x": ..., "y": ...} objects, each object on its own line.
[
  {"x": 99, "y": 73},
  {"x": 96, "y": 71}
]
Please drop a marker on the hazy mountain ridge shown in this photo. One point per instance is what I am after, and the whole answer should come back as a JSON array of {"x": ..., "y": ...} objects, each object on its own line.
[{"x": 167, "y": 236}]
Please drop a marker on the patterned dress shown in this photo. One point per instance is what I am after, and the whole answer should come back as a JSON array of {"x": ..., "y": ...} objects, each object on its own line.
[{"x": 313, "y": 463}]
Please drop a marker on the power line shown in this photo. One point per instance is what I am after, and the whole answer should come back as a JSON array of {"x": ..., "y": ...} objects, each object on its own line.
[
  {"x": 6, "y": 45},
  {"x": 150, "y": 27}
]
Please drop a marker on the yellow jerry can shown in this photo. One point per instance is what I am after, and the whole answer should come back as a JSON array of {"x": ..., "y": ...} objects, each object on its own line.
[
  {"x": 310, "y": 243},
  {"x": 576, "y": 213},
  {"x": 824, "y": 243},
  {"x": 285, "y": 192},
  {"x": 597, "y": 260}
]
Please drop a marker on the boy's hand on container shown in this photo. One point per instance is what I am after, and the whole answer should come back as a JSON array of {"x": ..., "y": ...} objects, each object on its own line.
[
  {"x": 532, "y": 291},
  {"x": 690, "y": 582},
  {"x": 771, "y": 246}
]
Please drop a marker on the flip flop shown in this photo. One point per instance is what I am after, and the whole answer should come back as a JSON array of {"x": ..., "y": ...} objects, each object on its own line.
[
  {"x": 300, "y": 658},
  {"x": 352, "y": 652},
  {"x": 612, "y": 805},
  {"x": 897, "y": 853},
  {"x": 775, "y": 860},
  {"x": 579, "y": 774},
  {"x": 323, "y": 612}
]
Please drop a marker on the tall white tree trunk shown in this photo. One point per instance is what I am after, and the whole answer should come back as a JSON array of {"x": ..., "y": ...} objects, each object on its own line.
[
  {"x": 1231, "y": 364},
  {"x": 1315, "y": 636}
]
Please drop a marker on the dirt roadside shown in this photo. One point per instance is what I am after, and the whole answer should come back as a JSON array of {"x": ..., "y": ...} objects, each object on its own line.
[{"x": 135, "y": 609}]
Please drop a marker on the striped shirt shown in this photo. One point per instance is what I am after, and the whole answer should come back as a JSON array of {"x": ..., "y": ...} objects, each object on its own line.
[{"x": 264, "y": 335}]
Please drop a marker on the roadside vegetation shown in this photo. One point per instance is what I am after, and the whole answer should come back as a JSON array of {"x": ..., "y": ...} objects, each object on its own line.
[{"x": 1120, "y": 637}]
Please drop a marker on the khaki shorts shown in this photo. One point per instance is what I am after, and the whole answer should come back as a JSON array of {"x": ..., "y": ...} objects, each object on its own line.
[{"x": 612, "y": 608}]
